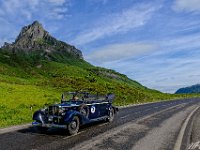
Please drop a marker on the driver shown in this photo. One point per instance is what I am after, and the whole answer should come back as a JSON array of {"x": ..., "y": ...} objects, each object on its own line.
[{"x": 75, "y": 97}]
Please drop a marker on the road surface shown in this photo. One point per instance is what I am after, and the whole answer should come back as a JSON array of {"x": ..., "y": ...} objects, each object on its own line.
[{"x": 154, "y": 126}]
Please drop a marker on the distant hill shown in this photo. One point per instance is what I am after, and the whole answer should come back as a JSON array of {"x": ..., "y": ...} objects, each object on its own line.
[
  {"x": 37, "y": 68},
  {"x": 189, "y": 90}
]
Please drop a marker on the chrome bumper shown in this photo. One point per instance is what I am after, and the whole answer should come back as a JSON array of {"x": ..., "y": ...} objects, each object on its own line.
[{"x": 52, "y": 125}]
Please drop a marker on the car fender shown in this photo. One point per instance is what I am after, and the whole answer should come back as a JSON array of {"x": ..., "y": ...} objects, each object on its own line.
[
  {"x": 39, "y": 116},
  {"x": 115, "y": 109},
  {"x": 70, "y": 114}
]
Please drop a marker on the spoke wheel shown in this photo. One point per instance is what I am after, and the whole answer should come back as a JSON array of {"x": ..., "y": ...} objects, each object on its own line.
[{"x": 73, "y": 126}]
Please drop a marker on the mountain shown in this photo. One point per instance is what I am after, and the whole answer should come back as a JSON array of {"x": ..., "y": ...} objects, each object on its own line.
[
  {"x": 34, "y": 38},
  {"x": 37, "y": 68},
  {"x": 189, "y": 90}
]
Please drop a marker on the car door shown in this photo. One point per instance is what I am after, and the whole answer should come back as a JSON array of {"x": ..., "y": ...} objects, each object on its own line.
[
  {"x": 94, "y": 111},
  {"x": 104, "y": 106}
]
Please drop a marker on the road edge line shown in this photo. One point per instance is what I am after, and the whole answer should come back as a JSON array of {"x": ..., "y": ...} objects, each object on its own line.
[{"x": 179, "y": 139}]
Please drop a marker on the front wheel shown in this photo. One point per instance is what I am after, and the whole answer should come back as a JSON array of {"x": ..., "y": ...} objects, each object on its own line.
[
  {"x": 111, "y": 115},
  {"x": 73, "y": 126}
]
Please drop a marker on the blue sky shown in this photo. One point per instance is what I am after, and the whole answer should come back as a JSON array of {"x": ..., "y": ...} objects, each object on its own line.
[{"x": 154, "y": 42}]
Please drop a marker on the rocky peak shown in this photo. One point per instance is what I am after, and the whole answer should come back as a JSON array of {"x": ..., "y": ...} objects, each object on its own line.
[
  {"x": 30, "y": 34},
  {"x": 35, "y": 38},
  {"x": 33, "y": 31}
]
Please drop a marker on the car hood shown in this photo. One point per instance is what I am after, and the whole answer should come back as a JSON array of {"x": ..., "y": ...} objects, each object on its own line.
[{"x": 67, "y": 104}]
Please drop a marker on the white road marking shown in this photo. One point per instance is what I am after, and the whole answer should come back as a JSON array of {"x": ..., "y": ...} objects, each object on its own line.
[
  {"x": 182, "y": 131},
  {"x": 161, "y": 135},
  {"x": 74, "y": 135},
  {"x": 97, "y": 140},
  {"x": 102, "y": 124},
  {"x": 124, "y": 117},
  {"x": 194, "y": 146},
  {"x": 166, "y": 105},
  {"x": 148, "y": 109}
]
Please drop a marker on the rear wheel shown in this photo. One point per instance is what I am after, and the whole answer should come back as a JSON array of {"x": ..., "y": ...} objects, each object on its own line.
[
  {"x": 111, "y": 115},
  {"x": 73, "y": 126}
]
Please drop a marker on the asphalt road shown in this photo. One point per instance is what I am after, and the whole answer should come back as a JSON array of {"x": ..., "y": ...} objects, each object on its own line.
[
  {"x": 193, "y": 133},
  {"x": 152, "y": 126}
]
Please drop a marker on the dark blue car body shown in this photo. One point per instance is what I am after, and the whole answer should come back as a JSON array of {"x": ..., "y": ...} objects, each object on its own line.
[{"x": 73, "y": 113}]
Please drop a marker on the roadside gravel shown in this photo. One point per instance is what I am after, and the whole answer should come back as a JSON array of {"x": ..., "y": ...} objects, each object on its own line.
[{"x": 14, "y": 128}]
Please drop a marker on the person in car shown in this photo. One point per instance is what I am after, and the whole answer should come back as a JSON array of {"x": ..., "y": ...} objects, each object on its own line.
[{"x": 75, "y": 97}]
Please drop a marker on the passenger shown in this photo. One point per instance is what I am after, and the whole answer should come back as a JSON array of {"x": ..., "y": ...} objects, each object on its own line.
[{"x": 75, "y": 98}]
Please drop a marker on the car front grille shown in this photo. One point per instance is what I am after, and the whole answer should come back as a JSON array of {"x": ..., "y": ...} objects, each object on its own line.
[{"x": 53, "y": 110}]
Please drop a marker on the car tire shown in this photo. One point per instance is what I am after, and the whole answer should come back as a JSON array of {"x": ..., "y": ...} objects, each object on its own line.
[
  {"x": 111, "y": 115},
  {"x": 84, "y": 110},
  {"x": 73, "y": 126}
]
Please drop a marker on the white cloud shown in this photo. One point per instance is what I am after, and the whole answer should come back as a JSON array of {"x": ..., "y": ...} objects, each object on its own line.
[
  {"x": 57, "y": 2},
  {"x": 161, "y": 73},
  {"x": 15, "y": 13},
  {"x": 173, "y": 64},
  {"x": 178, "y": 44},
  {"x": 187, "y": 5},
  {"x": 120, "y": 51},
  {"x": 98, "y": 1},
  {"x": 31, "y": 8},
  {"x": 175, "y": 74},
  {"x": 128, "y": 19}
]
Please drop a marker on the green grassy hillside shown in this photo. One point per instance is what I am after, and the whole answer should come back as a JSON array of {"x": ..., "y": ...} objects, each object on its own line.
[{"x": 31, "y": 80}]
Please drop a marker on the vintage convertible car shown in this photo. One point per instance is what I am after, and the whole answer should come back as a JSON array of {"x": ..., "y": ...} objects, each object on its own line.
[{"x": 80, "y": 109}]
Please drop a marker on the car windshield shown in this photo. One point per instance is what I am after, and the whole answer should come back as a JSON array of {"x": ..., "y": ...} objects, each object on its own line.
[
  {"x": 68, "y": 96},
  {"x": 80, "y": 96}
]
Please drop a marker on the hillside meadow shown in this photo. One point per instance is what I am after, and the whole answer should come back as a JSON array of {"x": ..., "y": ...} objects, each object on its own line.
[{"x": 28, "y": 84}]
